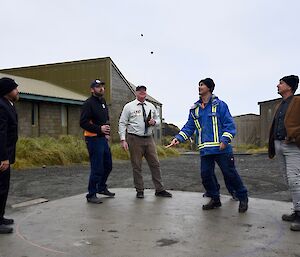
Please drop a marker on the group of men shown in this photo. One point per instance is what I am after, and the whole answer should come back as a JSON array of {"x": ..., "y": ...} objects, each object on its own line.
[
  {"x": 209, "y": 118},
  {"x": 137, "y": 121}
]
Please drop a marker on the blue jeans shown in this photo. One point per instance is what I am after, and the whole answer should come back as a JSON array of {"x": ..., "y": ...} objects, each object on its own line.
[
  {"x": 227, "y": 166},
  {"x": 101, "y": 164}
]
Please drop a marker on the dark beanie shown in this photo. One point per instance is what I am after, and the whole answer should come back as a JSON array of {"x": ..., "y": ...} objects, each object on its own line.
[
  {"x": 209, "y": 83},
  {"x": 7, "y": 85},
  {"x": 292, "y": 81}
]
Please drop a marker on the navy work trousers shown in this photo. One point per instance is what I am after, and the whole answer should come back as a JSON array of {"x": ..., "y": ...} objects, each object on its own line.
[
  {"x": 101, "y": 164},
  {"x": 231, "y": 176}
]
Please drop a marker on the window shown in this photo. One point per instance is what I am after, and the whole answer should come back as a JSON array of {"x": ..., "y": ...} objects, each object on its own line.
[{"x": 34, "y": 114}]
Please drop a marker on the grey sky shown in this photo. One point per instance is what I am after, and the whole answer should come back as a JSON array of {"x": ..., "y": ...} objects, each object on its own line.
[{"x": 245, "y": 46}]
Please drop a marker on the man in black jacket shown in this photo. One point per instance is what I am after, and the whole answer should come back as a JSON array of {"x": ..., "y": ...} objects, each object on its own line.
[
  {"x": 94, "y": 120},
  {"x": 8, "y": 138}
]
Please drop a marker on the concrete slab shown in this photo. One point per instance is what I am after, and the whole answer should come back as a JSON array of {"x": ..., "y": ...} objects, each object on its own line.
[{"x": 128, "y": 227}]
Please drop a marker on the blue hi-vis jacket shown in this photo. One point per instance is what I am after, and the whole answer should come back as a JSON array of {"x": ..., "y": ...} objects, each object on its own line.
[{"x": 213, "y": 124}]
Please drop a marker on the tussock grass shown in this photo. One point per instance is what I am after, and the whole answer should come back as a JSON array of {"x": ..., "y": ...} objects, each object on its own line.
[
  {"x": 65, "y": 150},
  {"x": 251, "y": 149},
  {"x": 118, "y": 152},
  {"x": 33, "y": 152}
]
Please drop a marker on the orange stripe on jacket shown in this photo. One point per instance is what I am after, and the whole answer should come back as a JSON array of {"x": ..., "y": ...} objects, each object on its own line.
[{"x": 89, "y": 134}]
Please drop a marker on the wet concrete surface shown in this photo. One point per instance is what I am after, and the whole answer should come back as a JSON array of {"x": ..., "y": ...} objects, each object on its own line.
[
  {"x": 127, "y": 227},
  {"x": 151, "y": 227}
]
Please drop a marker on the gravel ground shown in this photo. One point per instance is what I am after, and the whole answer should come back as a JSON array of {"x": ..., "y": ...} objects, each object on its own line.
[{"x": 261, "y": 176}]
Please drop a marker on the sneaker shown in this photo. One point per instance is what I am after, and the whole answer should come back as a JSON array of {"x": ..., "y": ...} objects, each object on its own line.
[
  {"x": 243, "y": 206},
  {"x": 289, "y": 217},
  {"x": 212, "y": 204},
  {"x": 140, "y": 194},
  {"x": 107, "y": 192},
  {"x": 94, "y": 199},
  {"x": 4, "y": 229},
  {"x": 5, "y": 221},
  {"x": 163, "y": 193}
]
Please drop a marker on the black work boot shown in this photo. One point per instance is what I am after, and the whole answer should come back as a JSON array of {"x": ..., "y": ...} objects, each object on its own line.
[
  {"x": 94, "y": 199},
  {"x": 289, "y": 217},
  {"x": 140, "y": 194},
  {"x": 4, "y": 229},
  {"x": 106, "y": 192},
  {"x": 243, "y": 206},
  {"x": 163, "y": 193},
  {"x": 295, "y": 226},
  {"x": 5, "y": 221},
  {"x": 212, "y": 204}
]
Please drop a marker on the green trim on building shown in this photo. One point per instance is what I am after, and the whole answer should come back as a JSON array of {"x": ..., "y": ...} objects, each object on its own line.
[{"x": 50, "y": 99}]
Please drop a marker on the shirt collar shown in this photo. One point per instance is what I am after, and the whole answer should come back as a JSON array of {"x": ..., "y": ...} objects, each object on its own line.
[{"x": 140, "y": 103}]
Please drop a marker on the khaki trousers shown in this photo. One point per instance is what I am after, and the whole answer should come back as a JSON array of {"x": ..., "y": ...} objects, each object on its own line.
[{"x": 140, "y": 147}]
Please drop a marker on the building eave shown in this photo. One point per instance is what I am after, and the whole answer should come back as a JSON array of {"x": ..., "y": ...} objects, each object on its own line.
[{"x": 41, "y": 98}]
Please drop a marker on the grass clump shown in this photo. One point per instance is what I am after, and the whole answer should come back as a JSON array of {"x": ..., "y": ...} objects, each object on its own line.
[
  {"x": 33, "y": 152},
  {"x": 251, "y": 149},
  {"x": 118, "y": 153},
  {"x": 65, "y": 150}
]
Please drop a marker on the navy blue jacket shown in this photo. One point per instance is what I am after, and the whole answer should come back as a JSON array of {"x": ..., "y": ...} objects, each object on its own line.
[{"x": 8, "y": 131}]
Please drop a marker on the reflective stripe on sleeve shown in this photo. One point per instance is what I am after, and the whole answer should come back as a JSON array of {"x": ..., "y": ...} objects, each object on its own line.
[
  {"x": 227, "y": 134},
  {"x": 185, "y": 137}
]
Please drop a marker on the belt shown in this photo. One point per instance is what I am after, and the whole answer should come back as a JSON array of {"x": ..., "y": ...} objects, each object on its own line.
[{"x": 138, "y": 135}]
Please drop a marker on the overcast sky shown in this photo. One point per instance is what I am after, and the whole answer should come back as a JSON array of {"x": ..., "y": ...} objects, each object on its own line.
[{"x": 245, "y": 46}]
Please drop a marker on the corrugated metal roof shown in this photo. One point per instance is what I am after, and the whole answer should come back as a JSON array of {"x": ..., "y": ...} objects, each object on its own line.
[{"x": 41, "y": 88}]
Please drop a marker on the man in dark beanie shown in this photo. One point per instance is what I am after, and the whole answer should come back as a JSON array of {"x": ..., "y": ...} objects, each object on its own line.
[
  {"x": 8, "y": 138},
  {"x": 292, "y": 81},
  {"x": 284, "y": 142}
]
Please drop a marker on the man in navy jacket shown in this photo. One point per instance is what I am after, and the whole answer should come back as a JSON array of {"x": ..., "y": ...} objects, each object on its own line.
[{"x": 8, "y": 138}]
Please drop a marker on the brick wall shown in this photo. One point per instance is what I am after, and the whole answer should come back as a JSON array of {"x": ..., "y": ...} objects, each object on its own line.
[
  {"x": 24, "y": 116},
  {"x": 73, "y": 120},
  {"x": 120, "y": 95},
  {"x": 48, "y": 119}
]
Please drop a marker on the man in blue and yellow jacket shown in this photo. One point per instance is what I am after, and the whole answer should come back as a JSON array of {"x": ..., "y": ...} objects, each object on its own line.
[{"x": 211, "y": 120}]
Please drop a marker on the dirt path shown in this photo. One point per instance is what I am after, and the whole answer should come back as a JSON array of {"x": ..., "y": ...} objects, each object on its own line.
[{"x": 261, "y": 176}]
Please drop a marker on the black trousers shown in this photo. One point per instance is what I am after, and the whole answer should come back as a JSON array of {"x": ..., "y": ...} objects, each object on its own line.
[{"x": 4, "y": 187}]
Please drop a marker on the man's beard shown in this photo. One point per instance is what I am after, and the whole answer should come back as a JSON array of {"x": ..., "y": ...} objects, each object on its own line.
[
  {"x": 99, "y": 94},
  {"x": 13, "y": 98}
]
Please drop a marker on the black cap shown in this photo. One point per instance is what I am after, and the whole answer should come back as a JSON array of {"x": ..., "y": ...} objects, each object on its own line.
[
  {"x": 138, "y": 88},
  {"x": 7, "y": 85},
  {"x": 209, "y": 83},
  {"x": 292, "y": 81},
  {"x": 96, "y": 83}
]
